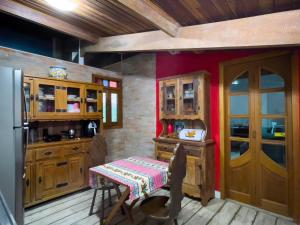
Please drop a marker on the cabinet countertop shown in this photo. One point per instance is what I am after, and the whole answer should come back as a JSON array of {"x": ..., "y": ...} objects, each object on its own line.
[
  {"x": 175, "y": 141},
  {"x": 54, "y": 143}
]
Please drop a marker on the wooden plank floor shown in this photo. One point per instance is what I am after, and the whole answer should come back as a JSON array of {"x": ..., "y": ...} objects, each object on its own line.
[{"x": 73, "y": 210}]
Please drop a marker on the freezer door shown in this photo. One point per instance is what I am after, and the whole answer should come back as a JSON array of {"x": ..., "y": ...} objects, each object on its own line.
[{"x": 18, "y": 98}]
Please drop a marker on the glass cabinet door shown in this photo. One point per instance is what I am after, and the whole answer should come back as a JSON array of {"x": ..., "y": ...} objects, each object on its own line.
[
  {"x": 74, "y": 100},
  {"x": 189, "y": 96},
  {"x": 93, "y": 99},
  {"x": 45, "y": 98},
  {"x": 28, "y": 92},
  {"x": 170, "y": 98}
]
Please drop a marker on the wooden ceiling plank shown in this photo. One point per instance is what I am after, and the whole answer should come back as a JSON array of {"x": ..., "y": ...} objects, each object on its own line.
[
  {"x": 193, "y": 6},
  {"x": 145, "y": 9},
  {"x": 280, "y": 29},
  {"x": 30, "y": 14}
]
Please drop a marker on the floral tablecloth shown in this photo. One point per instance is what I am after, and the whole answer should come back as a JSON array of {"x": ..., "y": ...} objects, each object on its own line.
[{"x": 142, "y": 175}]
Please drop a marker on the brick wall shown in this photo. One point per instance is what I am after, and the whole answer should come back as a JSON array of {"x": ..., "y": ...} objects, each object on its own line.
[{"x": 139, "y": 74}]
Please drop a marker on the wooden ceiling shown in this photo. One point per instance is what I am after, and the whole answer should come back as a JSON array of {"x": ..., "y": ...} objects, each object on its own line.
[{"x": 102, "y": 18}]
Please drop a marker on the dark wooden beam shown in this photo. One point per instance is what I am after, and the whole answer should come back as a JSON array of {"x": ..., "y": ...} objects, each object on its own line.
[
  {"x": 271, "y": 30},
  {"x": 153, "y": 14},
  {"x": 22, "y": 11}
]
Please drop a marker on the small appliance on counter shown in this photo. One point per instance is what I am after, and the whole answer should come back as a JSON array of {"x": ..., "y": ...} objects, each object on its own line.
[
  {"x": 50, "y": 137},
  {"x": 89, "y": 128},
  {"x": 69, "y": 133}
]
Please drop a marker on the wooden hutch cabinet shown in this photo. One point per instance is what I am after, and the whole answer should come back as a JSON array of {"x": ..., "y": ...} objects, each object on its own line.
[
  {"x": 185, "y": 98},
  {"x": 52, "y": 99},
  {"x": 57, "y": 168}
]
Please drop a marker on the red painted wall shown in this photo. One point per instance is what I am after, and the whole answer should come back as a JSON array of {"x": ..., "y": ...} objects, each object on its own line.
[{"x": 168, "y": 65}]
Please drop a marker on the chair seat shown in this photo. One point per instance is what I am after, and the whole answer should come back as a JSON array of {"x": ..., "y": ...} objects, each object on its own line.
[{"x": 155, "y": 206}]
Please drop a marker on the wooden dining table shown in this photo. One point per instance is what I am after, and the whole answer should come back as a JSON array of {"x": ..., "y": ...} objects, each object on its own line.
[{"x": 140, "y": 176}]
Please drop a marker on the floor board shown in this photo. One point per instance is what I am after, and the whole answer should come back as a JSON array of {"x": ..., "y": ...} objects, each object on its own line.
[{"x": 74, "y": 209}]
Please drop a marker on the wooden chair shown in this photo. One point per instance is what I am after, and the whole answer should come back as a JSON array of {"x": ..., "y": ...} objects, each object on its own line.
[
  {"x": 155, "y": 207},
  {"x": 97, "y": 154}
]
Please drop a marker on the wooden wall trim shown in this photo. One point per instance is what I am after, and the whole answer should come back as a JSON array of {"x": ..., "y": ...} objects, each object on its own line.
[
  {"x": 296, "y": 130},
  {"x": 19, "y": 10},
  {"x": 270, "y": 30}
]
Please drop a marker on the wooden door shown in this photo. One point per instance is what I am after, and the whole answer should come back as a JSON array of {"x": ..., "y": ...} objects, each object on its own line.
[
  {"x": 76, "y": 170},
  {"x": 93, "y": 101},
  {"x": 168, "y": 99},
  {"x": 188, "y": 96},
  {"x": 257, "y": 138},
  {"x": 29, "y": 97},
  {"x": 45, "y": 179}
]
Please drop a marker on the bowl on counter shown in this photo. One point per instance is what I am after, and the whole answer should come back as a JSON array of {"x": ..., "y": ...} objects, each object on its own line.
[{"x": 58, "y": 72}]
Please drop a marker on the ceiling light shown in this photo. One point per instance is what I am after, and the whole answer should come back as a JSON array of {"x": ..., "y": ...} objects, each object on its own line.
[{"x": 63, "y": 5}]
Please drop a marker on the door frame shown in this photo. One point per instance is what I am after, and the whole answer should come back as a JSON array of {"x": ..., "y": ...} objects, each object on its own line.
[{"x": 295, "y": 126}]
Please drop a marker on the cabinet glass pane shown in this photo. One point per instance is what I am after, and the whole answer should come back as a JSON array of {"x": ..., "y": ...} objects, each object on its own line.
[
  {"x": 238, "y": 148},
  {"x": 241, "y": 84},
  {"x": 239, "y": 104},
  {"x": 188, "y": 96},
  {"x": 27, "y": 96},
  {"x": 91, "y": 101},
  {"x": 170, "y": 99},
  {"x": 46, "y": 98},
  {"x": 74, "y": 100},
  {"x": 239, "y": 127},
  {"x": 104, "y": 100},
  {"x": 273, "y": 129},
  {"x": 276, "y": 153},
  {"x": 270, "y": 80},
  {"x": 114, "y": 107},
  {"x": 273, "y": 103}
]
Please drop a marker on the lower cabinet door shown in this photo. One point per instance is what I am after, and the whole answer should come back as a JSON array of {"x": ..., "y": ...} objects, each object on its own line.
[
  {"x": 28, "y": 184},
  {"x": 192, "y": 171},
  {"x": 51, "y": 178},
  {"x": 76, "y": 170},
  {"x": 45, "y": 178}
]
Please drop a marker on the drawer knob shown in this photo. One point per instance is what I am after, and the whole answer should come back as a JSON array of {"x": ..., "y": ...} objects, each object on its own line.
[
  {"x": 76, "y": 148},
  {"x": 47, "y": 153},
  {"x": 40, "y": 180}
]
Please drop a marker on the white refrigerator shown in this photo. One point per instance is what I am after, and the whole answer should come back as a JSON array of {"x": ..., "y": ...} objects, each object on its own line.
[{"x": 13, "y": 133}]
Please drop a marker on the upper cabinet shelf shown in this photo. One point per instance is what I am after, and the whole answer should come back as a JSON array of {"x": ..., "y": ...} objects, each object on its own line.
[
  {"x": 50, "y": 99},
  {"x": 185, "y": 96}
]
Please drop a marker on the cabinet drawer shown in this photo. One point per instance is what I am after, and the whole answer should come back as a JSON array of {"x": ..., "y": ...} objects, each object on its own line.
[
  {"x": 47, "y": 153},
  {"x": 165, "y": 147},
  {"x": 163, "y": 156},
  {"x": 73, "y": 149}
]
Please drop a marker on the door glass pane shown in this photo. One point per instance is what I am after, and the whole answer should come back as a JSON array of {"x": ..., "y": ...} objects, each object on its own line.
[
  {"x": 273, "y": 103},
  {"x": 188, "y": 97},
  {"x": 270, "y": 80},
  {"x": 170, "y": 99},
  {"x": 114, "y": 107},
  {"x": 91, "y": 101},
  {"x": 27, "y": 96},
  {"x": 46, "y": 98},
  {"x": 241, "y": 84},
  {"x": 239, "y": 104},
  {"x": 113, "y": 84},
  {"x": 104, "y": 97},
  {"x": 273, "y": 129},
  {"x": 238, "y": 148},
  {"x": 239, "y": 127},
  {"x": 275, "y": 152},
  {"x": 74, "y": 100}
]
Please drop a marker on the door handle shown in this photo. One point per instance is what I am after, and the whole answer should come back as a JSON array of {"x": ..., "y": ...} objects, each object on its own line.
[{"x": 40, "y": 180}]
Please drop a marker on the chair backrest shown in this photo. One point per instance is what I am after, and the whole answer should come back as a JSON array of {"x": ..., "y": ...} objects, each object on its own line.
[
  {"x": 97, "y": 151},
  {"x": 177, "y": 172}
]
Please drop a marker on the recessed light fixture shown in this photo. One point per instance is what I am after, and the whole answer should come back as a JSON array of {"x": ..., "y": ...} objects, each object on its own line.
[{"x": 63, "y": 5}]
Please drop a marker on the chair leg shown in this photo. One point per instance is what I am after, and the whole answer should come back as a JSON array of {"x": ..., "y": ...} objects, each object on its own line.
[
  {"x": 102, "y": 207},
  {"x": 175, "y": 222},
  {"x": 109, "y": 197},
  {"x": 93, "y": 202}
]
